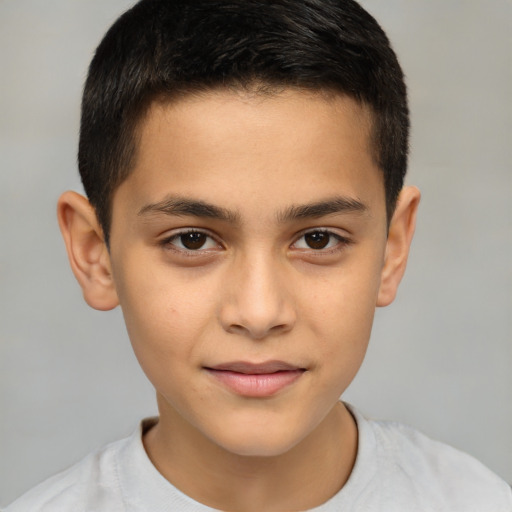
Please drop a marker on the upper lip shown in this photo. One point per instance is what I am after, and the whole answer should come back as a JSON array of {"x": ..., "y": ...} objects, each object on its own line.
[{"x": 255, "y": 368}]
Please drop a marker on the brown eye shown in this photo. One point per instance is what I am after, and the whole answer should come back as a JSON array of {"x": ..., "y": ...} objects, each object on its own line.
[
  {"x": 317, "y": 239},
  {"x": 193, "y": 241}
]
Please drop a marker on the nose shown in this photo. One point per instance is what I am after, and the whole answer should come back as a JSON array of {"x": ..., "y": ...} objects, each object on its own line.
[{"x": 256, "y": 302}]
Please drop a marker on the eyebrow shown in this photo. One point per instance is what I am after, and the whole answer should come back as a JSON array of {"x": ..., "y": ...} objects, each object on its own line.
[
  {"x": 331, "y": 206},
  {"x": 181, "y": 206}
]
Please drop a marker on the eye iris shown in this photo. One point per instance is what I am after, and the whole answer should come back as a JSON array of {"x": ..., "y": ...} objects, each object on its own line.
[
  {"x": 317, "y": 239},
  {"x": 193, "y": 240}
]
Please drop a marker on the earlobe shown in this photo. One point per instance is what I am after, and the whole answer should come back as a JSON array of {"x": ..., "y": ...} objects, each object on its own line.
[
  {"x": 87, "y": 252},
  {"x": 401, "y": 231}
]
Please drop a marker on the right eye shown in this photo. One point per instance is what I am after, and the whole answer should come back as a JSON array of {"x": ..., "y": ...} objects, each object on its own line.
[{"x": 191, "y": 241}]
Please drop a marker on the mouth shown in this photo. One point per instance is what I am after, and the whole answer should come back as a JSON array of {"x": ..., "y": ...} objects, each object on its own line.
[{"x": 256, "y": 380}]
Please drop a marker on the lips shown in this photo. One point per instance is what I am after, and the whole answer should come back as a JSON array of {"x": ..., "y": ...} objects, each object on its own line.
[{"x": 256, "y": 380}]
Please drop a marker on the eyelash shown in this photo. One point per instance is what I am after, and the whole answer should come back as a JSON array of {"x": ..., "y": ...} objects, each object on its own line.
[
  {"x": 167, "y": 243},
  {"x": 342, "y": 242}
]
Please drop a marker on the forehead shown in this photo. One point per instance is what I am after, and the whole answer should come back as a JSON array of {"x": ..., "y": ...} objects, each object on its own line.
[
  {"x": 227, "y": 147},
  {"x": 259, "y": 114}
]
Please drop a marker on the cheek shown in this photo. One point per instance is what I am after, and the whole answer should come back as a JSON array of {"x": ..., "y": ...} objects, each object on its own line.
[
  {"x": 166, "y": 340},
  {"x": 341, "y": 311},
  {"x": 165, "y": 318}
]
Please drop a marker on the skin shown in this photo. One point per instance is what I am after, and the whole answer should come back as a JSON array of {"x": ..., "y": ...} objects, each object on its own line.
[{"x": 256, "y": 287}]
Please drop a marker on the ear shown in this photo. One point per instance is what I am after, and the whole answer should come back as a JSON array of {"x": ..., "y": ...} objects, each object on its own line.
[
  {"x": 88, "y": 255},
  {"x": 401, "y": 231}
]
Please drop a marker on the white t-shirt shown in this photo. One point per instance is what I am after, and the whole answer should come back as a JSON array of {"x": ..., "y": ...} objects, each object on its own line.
[{"x": 397, "y": 470}]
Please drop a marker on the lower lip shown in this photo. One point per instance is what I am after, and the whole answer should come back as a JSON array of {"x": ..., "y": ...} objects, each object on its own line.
[{"x": 256, "y": 385}]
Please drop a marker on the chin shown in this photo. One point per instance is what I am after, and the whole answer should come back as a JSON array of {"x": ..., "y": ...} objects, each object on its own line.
[{"x": 266, "y": 443}]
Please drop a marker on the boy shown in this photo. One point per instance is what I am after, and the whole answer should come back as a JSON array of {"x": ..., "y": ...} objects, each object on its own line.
[{"x": 243, "y": 162}]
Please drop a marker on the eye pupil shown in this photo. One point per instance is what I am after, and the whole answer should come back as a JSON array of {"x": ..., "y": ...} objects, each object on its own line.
[
  {"x": 193, "y": 240},
  {"x": 317, "y": 239}
]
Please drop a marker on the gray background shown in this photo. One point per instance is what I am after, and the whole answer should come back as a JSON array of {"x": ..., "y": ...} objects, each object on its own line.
[{"x": 440, "y": 356}]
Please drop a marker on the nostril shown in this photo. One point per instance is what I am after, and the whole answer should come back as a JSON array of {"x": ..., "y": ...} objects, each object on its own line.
[{"x": 258, "y": 334}]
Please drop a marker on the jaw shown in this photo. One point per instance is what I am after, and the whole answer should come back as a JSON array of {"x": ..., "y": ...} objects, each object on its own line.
[{"x": 226, "y": 478}]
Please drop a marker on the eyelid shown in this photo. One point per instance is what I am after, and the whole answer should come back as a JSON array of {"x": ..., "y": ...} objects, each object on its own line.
[
  {"x": 167, "y": 240},
  {"x": 343, "y": 241}
]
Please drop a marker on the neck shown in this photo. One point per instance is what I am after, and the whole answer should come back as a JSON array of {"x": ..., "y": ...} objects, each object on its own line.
[{"x": 303, "y": 477}]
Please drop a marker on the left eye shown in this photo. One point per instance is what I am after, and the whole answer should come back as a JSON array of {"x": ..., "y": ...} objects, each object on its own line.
[
  {"x": 318, "y": 240},
  {"x": 192, "y": 241}
]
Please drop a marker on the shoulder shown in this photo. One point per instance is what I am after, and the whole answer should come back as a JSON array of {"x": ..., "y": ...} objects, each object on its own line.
[
  {"x": 80, "y": 488},
  {"x": 439, "y": 477}
]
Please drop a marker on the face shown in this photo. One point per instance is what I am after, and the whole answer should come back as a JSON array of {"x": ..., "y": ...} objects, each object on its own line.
[{"x": 246, "y": 249}]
